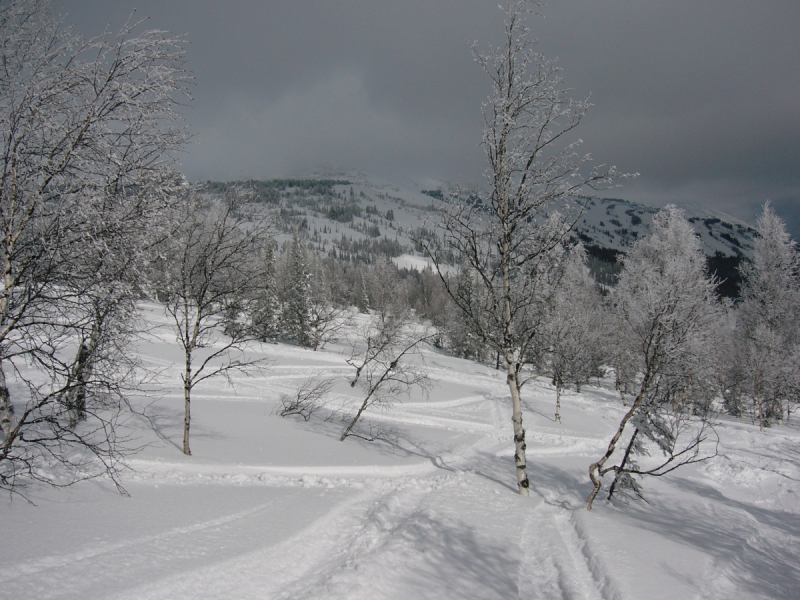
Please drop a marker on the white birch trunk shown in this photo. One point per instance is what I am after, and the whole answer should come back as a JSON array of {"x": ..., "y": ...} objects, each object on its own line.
[
  {"x": 520, "y": 459},
  {"x": 7, "y": 420}
]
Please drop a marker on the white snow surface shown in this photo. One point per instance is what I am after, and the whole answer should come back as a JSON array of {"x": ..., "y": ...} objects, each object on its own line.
[{"x": 271, "y": 507}]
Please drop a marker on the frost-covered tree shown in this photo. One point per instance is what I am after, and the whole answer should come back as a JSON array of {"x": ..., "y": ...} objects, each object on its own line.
[
  {"x": 667, "y": 315},
  {"x": 265, "y": 307},
  {"x": 533, "y": 180},
  {"x": 764, "y": 369},
  {"x": 361, "y": 293},
  {"x": 86, "y": 126},
  {"x": 326, "y": 319},
  {"x": 571, "y": 340},
  {"x": 462, "y": 340},
  {"x": 109, "y": 274}
]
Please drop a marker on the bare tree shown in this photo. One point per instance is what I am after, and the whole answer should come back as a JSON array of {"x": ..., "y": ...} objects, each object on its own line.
[
  {"x": 209, "y": 274},
  {"x": 308, "y": 399},
  {"x": 326, "y": 319},
  {"x": 668, "y": 315},
  {"x": 85, "y": 125},
  {"x": 384, "y": 345},
  {"x": 505, "y": 234}
]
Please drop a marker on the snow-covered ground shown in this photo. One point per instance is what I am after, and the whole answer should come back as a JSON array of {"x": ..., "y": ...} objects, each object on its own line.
[{"x": 271, "y": 507}]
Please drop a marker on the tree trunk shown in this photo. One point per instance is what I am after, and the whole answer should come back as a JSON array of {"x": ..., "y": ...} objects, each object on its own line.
[
  {"x": 7, "y": 420},
  {"x": 622, "y": 466},
  {"x": 520, "y": 460},
  {"x": 187, "y": 396},
  {"x": 594, "y": 469},
  {"x": 760, "y": 403},
  {"x": 83, "y": 372},
  {"x": 356, "y": 418},
  {"x": 558, "y": 403},
  {"x": 372, "y": 389}
]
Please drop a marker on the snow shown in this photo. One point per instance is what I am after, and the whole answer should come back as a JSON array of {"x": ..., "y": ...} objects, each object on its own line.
[
  {"x": 418, "y": 263},
  {"x": 271, "y": 507}
]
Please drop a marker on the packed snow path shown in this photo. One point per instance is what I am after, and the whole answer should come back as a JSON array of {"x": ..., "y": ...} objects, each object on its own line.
[{"x": 279, "y": 508}]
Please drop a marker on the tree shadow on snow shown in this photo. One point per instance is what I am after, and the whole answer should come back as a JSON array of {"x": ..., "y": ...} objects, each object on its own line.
[
  {"x": 448, "y": 556},
  {"x": 167, "y": 423},
  {"x": 756, "y": 547},
  {"x": 377, "y": 436},
  {"x": 564, "y": 488}
]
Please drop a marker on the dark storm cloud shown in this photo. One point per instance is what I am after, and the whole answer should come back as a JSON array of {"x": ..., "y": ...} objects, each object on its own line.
[{"x": 700, "y": 97}]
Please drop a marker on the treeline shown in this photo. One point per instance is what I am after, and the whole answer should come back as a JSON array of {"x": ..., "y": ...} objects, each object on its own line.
[{"x": 269, "y": 190}]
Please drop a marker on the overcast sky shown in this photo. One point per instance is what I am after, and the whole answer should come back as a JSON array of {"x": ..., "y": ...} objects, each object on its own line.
[{"x": 701, "y": 97}]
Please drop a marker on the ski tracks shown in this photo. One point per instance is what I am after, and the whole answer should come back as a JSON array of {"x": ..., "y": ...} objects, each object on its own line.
[
  {"x": 267, "y": 572},
  {"x": 554, "y": 566},
  {"x": 90, "y": 572},
  {"x": 450, "y": 534}
]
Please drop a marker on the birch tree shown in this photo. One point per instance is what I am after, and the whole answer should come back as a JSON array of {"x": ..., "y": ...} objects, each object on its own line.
[
  {"x": 571, "y": 338},
  {"x": 209, "y": 275},
  {"x": 536, "y": 185},
  {"x": 385, "y": 348},
  {"x": 667, "y": 316}
]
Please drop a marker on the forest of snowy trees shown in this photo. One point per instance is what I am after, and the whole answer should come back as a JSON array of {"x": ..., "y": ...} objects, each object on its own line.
[{"x": 95, "y": 218}]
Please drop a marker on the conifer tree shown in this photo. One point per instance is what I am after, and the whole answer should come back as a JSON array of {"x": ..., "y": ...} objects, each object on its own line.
[
  {"x": 266, "y": 310},
  {"x": 296, "y": 315}
]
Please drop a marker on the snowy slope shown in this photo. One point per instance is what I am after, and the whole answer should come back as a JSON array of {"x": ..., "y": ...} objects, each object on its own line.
[
  {"x": 616, "y": 224},
  {"x": 606, "y": 222},
  {"x": 271, "y": 507}
]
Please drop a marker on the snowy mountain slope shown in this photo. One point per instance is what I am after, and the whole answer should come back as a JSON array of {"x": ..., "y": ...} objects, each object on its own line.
[
  {"x": 616, "y": 224},
  {"x": 347, "y": 217},
  {"x": 271, "y": 507}
]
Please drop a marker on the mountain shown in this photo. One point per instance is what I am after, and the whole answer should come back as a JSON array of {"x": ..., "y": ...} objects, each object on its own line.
[
  {"x": 616, "y": 224},
  {"x": 354, "y": 217}
]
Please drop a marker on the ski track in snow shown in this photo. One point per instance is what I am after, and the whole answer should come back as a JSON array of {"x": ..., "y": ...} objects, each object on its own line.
[
  {"x": 263, "y": 573},
  {"x": 66, "y": 561},
  {"x": 554, "y": 566},
  {"x": 355, "y": 546}
]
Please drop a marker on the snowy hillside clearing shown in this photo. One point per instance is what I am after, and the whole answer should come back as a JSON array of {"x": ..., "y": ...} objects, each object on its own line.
[{"x": 271, "y": 507}]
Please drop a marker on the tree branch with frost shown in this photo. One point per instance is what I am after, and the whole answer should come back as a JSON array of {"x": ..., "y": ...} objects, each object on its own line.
[
  {"x": 88, "y": 124},
  {"x": 308, "y": 399}
]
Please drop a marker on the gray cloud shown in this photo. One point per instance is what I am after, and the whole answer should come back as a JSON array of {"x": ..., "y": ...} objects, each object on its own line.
[{"x": 701, "y": 98}]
